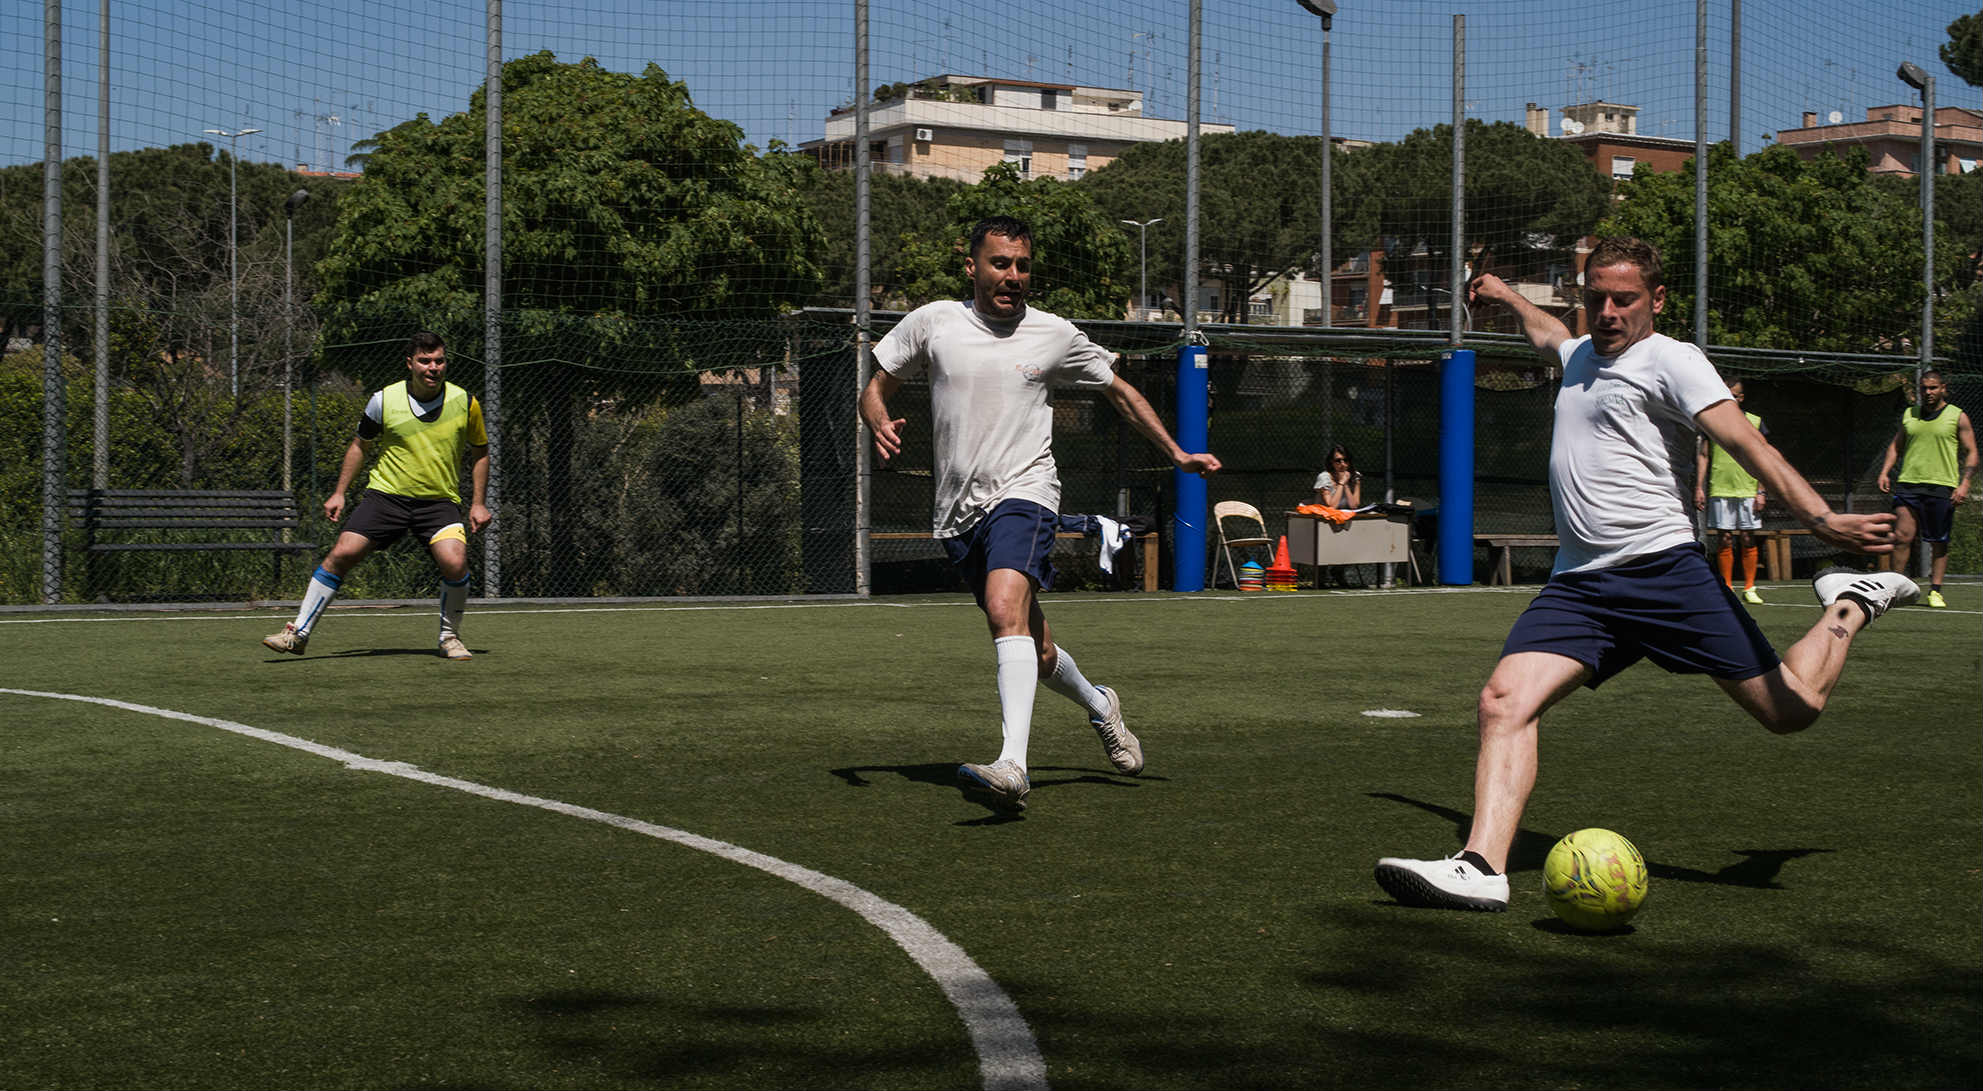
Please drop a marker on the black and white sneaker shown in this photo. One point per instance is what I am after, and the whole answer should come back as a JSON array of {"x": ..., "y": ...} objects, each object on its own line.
[
  {"x": 1451, "y": 883},
  {"x": 1875, "y": 592}
]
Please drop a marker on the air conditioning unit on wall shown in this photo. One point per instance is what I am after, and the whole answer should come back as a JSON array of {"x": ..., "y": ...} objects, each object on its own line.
[{"x": 924, "y": 136}]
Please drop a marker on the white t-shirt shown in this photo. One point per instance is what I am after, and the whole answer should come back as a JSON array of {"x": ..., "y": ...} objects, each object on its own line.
[
  {"x": 1623, "y": 426},
  {"x": 992, "y": 418}
]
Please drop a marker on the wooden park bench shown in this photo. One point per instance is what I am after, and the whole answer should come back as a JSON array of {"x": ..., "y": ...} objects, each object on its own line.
[
  {"x": 1501, "y": 570},
  {"x": 188, "y": 521}
]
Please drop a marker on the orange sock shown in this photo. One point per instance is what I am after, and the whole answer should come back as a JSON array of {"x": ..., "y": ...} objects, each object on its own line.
[
  {"x": 1749, "y": 566},
  {"x": 1726, "y": 559}
]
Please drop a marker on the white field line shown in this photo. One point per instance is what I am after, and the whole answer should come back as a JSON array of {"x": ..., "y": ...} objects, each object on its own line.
[{"x": 1008, "y": 1055}]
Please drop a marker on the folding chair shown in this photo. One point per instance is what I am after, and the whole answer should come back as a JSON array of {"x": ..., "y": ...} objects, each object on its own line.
[{"x": 1241, "y": 514}]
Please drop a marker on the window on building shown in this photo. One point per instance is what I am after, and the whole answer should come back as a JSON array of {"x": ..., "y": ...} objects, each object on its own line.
[
  {"x": 1019, "y": 153},
  {"x": 1077, "y": 161},
  {"x": 1049, "y": 99},
  {"x": 895, "y": 149},
  {"x": 1621, "y": 166}
]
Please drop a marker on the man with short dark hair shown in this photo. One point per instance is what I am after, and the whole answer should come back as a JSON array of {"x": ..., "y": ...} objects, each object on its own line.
[
  {"x": 1630, "y": 580},
  {"x": 422, "y": 428},
  {"x": 992, "y": 362},
  {"x": 1930, "y": 487}
]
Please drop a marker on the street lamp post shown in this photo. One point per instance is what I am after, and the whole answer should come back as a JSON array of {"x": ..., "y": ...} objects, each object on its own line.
[
  {"x": 233, "y": 262},
  {"x": 1143, "y": 264},
  {"x": 1912, "y": 75},
  {"x": 1326, "y": 11},
  {"x": 289, "y": 208}
]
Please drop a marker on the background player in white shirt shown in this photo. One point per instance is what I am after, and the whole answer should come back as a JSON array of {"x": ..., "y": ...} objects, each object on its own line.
[
  {"x": 991, "y": 362},
  {"x": 1630, "y": 581}
]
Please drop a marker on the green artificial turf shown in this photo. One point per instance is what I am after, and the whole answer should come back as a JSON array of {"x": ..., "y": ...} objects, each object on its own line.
[{"x": 187, "y": 907}]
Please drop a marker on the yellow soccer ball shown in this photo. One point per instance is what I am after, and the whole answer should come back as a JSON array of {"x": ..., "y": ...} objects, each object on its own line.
[{"x": 1595, "y": 879}]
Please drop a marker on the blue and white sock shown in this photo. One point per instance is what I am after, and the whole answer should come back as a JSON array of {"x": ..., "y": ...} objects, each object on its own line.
[
  {"x": 323, "y": 588},
  {"x": 1068, "y": 681},
  {"x": 454, "y": 599},
  {"x": 1018, "y": 679}
]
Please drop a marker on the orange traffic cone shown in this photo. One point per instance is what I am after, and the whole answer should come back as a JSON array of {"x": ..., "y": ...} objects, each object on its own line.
[{"x": 1281, "y": 577}]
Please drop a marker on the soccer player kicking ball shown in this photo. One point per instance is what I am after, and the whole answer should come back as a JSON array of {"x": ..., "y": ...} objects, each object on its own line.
[
  {"x": 1630, "y": 581},
  {"x": 422, "y": 428},
  {"x": 991, "y": 362}
]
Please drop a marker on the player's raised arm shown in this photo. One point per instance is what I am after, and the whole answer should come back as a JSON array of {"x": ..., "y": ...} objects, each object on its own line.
[
  {"x": 1136, "y": 409},
  {"x": 1724, "y": 423},
  {"x": 1545, "y": 332}
]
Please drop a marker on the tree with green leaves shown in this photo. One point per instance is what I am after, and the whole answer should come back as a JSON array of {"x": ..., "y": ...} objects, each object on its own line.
[
  {"x": 169, "y": 296},
  {"x": 1083, "y": 265},
  {"x": 643, "y": 241},
  {"x": 898, "y": 207},
  {"x": 1963, "y": 52},
  {"x": 1260, "y": 209},
  {"x": 1528, "y": 199},
  {"x": 1819, "y": 255}
]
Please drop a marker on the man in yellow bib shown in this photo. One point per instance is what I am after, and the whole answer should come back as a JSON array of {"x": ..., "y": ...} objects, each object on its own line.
[
  {"x": 422, "y": 428},
  {"x": 1929, "y": 486},
  {"x": 1733, "y": 499}
]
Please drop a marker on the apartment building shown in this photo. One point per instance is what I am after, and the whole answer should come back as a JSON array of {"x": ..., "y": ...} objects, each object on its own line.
[
  {"x": 954, "y": 126},
  {"x": 1891, "y": 136}
]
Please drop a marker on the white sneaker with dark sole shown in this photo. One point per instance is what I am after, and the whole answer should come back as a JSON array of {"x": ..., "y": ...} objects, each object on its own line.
[
  {"x": 1124, "y": 751},
  {"x": 1451, "y": 883},
  {"x": 1001, "y": 785},
  {"x": 1875, "y": 592}
]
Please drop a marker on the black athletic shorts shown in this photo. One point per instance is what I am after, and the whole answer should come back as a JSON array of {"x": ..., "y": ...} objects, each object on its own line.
[
  {"x": 1933, "y": 507},
  {"x": 385, "y": 518}
]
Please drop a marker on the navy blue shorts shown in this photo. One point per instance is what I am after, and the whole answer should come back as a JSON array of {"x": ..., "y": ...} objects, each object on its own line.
[
  {"x": 1933, "y": 507},
  {"x": 1017, "y": 534},
  {"x": 1668, "y": 607}
]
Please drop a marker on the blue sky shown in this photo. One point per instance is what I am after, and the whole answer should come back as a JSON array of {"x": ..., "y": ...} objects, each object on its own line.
[{"x": 317, "y": 75}]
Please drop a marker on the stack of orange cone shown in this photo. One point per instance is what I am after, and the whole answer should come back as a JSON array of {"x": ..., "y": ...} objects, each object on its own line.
[{"x": 1281, "y": 577}]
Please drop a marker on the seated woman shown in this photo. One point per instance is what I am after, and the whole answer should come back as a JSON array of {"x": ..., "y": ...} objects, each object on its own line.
[{"x": 1339, "y": 485}]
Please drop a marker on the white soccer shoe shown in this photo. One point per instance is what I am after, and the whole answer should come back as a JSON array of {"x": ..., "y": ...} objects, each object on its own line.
[
  {"x": 1124, "y": 751},
  {"x": 1001, "y": 785},
  {"x": 453, "y": 648},
  {"x": 1875, "y": 592},
  {"x": 288, "y": 640},
  {"x": 1451, "y": 883}
]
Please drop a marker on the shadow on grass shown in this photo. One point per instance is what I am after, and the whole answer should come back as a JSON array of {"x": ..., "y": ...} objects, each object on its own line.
[
  {"x": 944, "y": 775},
  {"x": 653, "y": 1037},
  {"x": 1479, "y": 1000},
  {"x": 1757, "y": 869},
  {"x": 368, "y": 653}
]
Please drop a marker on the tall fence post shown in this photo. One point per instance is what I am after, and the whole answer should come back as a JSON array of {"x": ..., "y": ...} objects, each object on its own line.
[
  {"x": 863, "y": 313},
  {"x": 54, "y": 397},
  {"x": 1701, "y": 173},
  {"x": 100, "y": 423},
  {"x": 492, "y": 295}
]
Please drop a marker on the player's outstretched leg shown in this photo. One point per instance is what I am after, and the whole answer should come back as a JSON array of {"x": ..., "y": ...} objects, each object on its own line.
[
  {"x": 1791, "y": 697},
  {"x": 1104, "y": 708},
  {"x": 295, "y": 636}
]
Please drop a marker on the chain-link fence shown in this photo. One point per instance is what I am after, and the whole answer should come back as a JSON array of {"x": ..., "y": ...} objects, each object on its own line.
[{"x": 230, "y": 225}]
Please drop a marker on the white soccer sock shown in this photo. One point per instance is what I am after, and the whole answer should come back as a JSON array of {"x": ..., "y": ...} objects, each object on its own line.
[
  {"x": 454, "y": 599},
  {"x": 322, "y": 589},
  {"x": 1018, "y": 678},
  {"x": 1068, "y": 681}
]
